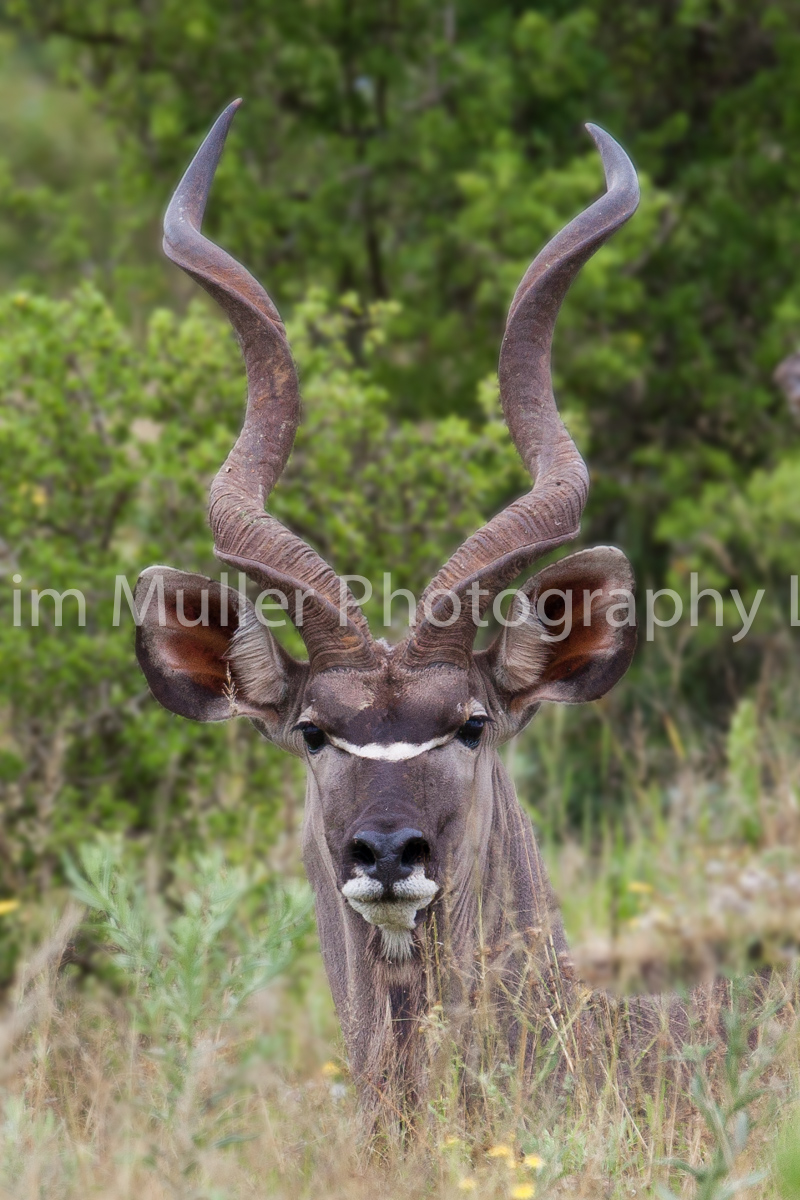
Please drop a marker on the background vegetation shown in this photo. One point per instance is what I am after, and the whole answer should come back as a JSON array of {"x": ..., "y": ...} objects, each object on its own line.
[{"x": 394, "y": 168}]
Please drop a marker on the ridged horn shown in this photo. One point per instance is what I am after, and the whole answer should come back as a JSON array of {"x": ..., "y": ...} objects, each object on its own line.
[
  {"x": 550, "y": 513},
  {"x": 247, "y": 537}
]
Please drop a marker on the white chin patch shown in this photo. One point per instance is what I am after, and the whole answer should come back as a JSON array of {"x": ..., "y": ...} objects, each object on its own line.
[{"x": 394, "y": 918}]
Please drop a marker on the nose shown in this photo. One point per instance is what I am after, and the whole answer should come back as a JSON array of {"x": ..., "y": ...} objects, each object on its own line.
[{"x": 389, "y": 857}]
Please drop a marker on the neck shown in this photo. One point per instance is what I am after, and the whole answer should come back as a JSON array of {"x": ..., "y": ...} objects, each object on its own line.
[{"x": 490, "y": 958}]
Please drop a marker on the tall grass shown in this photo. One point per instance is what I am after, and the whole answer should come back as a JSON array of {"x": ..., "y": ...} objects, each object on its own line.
[{"x": 173, "y": 1036}]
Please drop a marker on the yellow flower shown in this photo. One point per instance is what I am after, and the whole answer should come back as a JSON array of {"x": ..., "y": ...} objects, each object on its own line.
[
  {"x": 500, "y": 1151},
  {"x": 534, "y": 1161},
  {"x": 639, "y": 887},
  {"x": 451, "y": 1141},
  {"x": 467, "y": 1184},
  {"x": 330, "y": 1068},
  {"x": 523, "y": 1191},
  {"x": 8, "y": 906}
]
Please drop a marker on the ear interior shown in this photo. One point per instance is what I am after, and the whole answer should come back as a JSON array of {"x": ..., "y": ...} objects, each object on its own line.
[
  {"x": 192, "y": 634},
  {"x": 548, "y": 660}
]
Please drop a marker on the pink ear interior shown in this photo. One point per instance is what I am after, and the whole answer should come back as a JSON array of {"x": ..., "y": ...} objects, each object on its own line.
[
  {"x": 185, "y": 666},
  {"x": 592, "y": 657},
  {"x": 585, "y": 642}
]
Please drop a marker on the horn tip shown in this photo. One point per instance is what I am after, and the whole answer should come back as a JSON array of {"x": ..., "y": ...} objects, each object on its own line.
[
  {"x": 225, "y": 119},
  {"x": 600, "y": 136},
  {"x": 188, "y": 202},
  {"x": 619, "y": 170}
]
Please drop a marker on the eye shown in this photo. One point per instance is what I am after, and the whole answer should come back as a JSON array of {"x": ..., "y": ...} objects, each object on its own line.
[
  {"x": 313, "y": 736},
  {"x": 470, "y": 732}
]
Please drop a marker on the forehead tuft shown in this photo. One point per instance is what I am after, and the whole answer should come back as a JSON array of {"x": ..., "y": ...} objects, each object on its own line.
[{"x": 386, "y": 706}]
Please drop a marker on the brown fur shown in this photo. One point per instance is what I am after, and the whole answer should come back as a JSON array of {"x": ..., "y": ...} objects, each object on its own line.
[{"x": 489, "y": 955}]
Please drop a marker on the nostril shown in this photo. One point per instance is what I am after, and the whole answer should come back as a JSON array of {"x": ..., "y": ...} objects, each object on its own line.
[
  {"x": 387, "y": 857},
  {"x": 362, "y": 854},
  {"x": 416, "y": 850}
]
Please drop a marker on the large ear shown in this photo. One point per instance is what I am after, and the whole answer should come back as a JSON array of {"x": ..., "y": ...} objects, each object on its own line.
[
  {"x": 571, "y": 632},
  {"x": 203, "y": 651}
]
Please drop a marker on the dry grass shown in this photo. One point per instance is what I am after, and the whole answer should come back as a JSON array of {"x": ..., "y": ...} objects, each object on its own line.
[{"x": 111, "y": 1087}]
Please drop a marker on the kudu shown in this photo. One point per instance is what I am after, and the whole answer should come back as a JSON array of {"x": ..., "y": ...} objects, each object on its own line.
[{"x": 427, "y": 877}]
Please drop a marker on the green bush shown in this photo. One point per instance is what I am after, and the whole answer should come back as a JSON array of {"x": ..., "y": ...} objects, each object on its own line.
[{"x": 107, "y": 450}]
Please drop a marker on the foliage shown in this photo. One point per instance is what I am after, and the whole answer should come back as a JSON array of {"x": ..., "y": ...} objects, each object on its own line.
[
  {"x": 410, "y": 158},
  {"x": 171, "y": 984},
  {"x": 186, "y": 980},
  {"x": 788, "y": 1162},
  {"x": 133, "y": 1059},
  {"x": 418, "y": 155},
  {"x": 744, "y": 765},
  {"x": 727, "y": 1116},
  {"x": 393, "y": 170},
  {"x": 58, "y": 200},
  {"x": 423, "y": 153},
  {"x": 106, "y": 455}
]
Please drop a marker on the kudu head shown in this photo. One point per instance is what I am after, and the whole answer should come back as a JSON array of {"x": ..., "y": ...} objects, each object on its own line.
[{"x": 399, "y": 741}]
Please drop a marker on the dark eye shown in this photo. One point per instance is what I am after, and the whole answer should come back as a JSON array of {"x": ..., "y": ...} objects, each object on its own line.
[
  {"x": 470, "y": 732},
  {"x": 313, "y": 736}
]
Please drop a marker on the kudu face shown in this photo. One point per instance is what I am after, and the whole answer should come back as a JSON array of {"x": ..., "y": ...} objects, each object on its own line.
[
  {"x": 392, "y": 759},
  {"x": 400, "y": 741}
]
